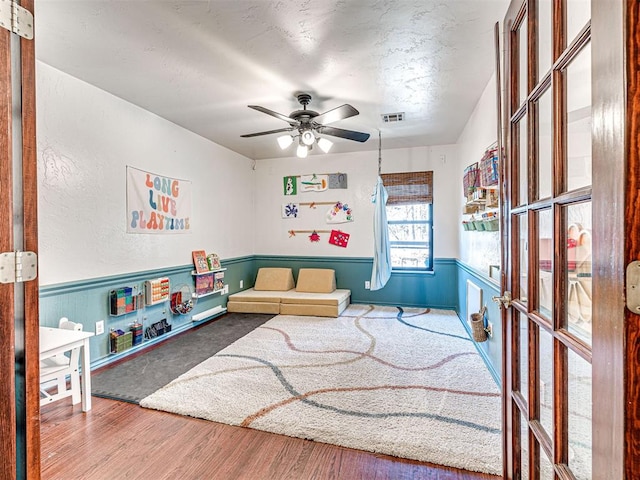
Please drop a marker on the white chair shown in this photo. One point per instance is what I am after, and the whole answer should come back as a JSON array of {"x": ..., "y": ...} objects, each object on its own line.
[{"x": 58, "y": 367}]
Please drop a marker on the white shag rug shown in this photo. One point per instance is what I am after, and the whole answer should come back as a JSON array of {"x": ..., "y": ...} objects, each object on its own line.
[{"x": 403, "y": 382}]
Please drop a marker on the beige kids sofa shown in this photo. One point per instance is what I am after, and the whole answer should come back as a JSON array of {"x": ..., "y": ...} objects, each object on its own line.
[{"x": 274, "y": 292}]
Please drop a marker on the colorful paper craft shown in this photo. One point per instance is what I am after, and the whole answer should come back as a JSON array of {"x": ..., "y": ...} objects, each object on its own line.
[
  {"x": 314, "y": 183},
  {"x": 290, "y": 185},
  {"x": 339, "y": 213},
  {"x": 290, "y": 210},
  {"x": 338, "y": 238}
]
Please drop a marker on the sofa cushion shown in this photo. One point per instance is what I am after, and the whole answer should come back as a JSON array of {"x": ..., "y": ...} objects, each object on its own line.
[
  {"x": 253, "y": 295},
  {"x": 301, "y": 298},
  {"x": 272, "y": 279},
  {"x": 316, "y": 280},
  {"x": 314, "y": 309},
  {"x": 253, "y": 307}
]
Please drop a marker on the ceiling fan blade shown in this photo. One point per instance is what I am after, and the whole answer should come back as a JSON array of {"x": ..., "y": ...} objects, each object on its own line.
[
  {"x": 348, "y": 134},
  {"x": 289, "y": 120},
  {"x": 268, "y": 132},
  {"x": 338, "y": 113}
]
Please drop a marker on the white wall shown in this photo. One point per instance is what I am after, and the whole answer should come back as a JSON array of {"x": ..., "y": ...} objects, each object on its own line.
[
  {"x": 271, "y": 237},
  {"x": 86, "y": 138},
  {"x": 477, "y": 249}
]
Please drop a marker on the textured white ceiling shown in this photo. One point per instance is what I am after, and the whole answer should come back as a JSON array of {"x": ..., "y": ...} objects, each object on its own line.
[{"x": 200, "y": 63}]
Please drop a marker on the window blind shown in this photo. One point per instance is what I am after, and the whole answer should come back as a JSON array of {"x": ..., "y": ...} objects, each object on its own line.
[{"x": 408, "y": 188}]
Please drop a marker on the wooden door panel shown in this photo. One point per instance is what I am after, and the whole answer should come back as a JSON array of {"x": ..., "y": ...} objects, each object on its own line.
[
  {"x": 19, "y": 343},
  {"x": 549, "y": 175}
]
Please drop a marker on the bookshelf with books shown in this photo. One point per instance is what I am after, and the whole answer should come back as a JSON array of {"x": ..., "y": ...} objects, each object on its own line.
[
  {"x": 208, "y": 275},
  {"x": 208, "y": 283}
]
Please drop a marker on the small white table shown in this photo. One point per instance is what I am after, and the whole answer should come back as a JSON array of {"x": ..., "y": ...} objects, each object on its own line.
[{"x": 57, "y": 340}]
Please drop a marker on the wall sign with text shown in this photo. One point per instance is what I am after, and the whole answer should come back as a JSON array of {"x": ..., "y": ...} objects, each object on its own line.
[{"x": 157, "y": 204}]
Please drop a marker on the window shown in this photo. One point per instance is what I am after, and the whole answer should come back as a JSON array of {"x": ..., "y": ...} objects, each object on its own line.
[{"x": 410, "y": 219}]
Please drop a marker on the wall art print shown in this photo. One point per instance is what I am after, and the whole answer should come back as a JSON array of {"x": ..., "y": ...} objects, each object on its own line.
[
  {"x": 290, "y": 185},
  {"x": 337, "y": 180},
  {"x": 290, "y": 210},
  {"x": 338, "y": 238},
  {"x": 314, "y": 182},
  {"x": 157, "y": 204}
]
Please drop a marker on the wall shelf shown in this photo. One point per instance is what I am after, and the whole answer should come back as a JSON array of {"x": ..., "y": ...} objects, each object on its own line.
[
  {"x": 196, "y": 274},
  {"x": 212, "y": 292},
  {"x": 208, "y": 283}
]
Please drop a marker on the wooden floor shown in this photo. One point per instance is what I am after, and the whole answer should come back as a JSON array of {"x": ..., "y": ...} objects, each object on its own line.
[{"x": 117, "y": 440}]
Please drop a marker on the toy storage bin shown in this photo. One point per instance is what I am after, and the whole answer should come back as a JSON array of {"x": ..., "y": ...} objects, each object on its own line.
[
  {"x": 479, "y": 224},
  {"x": 492, "y": 225},
  {"x": 121, "y": 342}
]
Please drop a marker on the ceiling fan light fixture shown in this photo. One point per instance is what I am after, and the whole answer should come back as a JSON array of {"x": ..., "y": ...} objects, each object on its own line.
[
  {"x": 284, "y": 141},
  {"x": 325, "y": 145},
  {"x": 307, "y": 137},
  {"x": 302, "y": 151}
]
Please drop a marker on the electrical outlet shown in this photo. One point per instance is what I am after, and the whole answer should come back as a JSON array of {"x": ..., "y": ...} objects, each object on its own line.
[
  {"x": 225, "y": 290},
  {"x": 99, "y": 327},
  {"x": 241, "y": 283},
  {"x": 490, "y": 329},
  {"x": 367, "y": 285}
]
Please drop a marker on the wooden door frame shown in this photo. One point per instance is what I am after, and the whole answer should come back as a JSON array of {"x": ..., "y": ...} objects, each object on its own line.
[
  {"x": 610, "y": 361},
  {"x": 19, "y": 342},
  {"x": 626, "y": 109},
  {"x": 7, "y": 352}
]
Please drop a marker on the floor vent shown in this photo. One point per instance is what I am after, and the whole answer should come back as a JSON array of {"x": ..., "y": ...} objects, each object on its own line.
[{"x": 393, "y": 117}]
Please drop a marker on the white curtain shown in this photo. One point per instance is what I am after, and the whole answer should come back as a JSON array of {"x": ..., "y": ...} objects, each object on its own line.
[{"x": 381, "y": 271}]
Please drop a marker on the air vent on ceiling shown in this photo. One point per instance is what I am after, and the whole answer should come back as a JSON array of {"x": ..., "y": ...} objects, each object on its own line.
[{"x": 393, "y": 117}]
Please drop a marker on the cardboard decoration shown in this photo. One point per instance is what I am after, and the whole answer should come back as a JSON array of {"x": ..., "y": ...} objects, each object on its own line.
[{"x": 338, "y": 238}]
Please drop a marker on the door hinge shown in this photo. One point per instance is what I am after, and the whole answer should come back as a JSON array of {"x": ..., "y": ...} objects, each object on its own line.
[
  {"x": 16, "y": 19},
  {"x": 16, "y": 267}
]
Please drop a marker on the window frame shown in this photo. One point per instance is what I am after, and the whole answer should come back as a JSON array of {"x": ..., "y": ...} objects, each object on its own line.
[{"x": 411, "y": 188}]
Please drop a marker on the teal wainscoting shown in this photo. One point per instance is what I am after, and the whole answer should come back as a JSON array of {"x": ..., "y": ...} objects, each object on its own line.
[
  {"x": 87, "y": 302},
  {"x": 435, "y": 289},
  {"x": 491, "y": 350}
]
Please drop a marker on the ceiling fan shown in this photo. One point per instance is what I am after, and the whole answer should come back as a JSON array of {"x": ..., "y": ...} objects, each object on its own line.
[{"x": 307, "y": 125}]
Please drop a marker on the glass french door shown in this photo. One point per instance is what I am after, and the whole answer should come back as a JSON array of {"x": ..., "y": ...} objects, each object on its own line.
[{"x": 548, "y": 217}]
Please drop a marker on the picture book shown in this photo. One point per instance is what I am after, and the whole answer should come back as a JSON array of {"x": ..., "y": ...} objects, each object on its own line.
[
  {"x": 219, "y": 280},
  {"x": 200, "y": 261},
  {"x": 204, "y": 284}
]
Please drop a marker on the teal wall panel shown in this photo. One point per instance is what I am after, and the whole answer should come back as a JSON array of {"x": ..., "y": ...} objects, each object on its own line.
[
  {"x": 87, "y": 302},
  {"x": 435, "y": 289},
  {"x": 491, "y": 350},
  {"x": 445, "y": 288}
]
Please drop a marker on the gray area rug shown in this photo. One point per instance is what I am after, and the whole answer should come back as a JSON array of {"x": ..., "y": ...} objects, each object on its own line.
[{"x": 134, "y": 379}]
